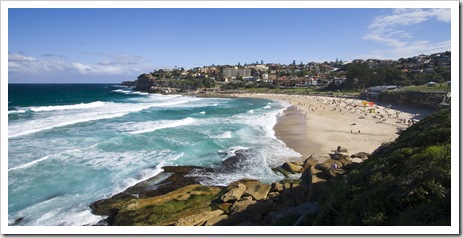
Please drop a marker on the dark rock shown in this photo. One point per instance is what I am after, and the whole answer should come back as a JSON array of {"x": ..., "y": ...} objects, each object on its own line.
[
  {"x": 306, "y": 178},
  {"x": 282, "y": 171},
  {"x": 17, "y": 221},
  {"x": 277, "y": 187},
  {"x": 345, "y": 160},
  {"x": 309, "y": 162},
  {"x": 241, "y": 206},
  {"x": 248, "y": 212},
  {"x": 234, "y": 162},
  {"x": 326, "y": 167},
  {"x": 341, "y": 149},
  {"x": 338, "y": 156},
  {"x": 274, "y": 196}
]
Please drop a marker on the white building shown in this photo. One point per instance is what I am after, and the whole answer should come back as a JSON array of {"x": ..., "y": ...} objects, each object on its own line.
[{"x": 233, "y": 73}]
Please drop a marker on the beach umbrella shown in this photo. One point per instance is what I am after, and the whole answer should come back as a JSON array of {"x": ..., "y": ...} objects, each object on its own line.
[
  {"x": 364, "y": 103},
  {"x": 371, "y": 104}
]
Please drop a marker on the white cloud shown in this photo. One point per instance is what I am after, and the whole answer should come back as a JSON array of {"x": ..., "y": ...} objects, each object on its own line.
[
  {"x": 418, "y": 47},
  {"x": 390, "y": 30},
  {"x": 50, "y": 64}
]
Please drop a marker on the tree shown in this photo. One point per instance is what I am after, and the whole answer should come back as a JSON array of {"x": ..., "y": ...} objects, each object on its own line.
[{"x": 358, "y": 75}]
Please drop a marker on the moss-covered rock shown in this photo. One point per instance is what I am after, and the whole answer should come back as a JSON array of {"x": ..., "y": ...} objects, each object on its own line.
[{"x": 169, "y": 208}]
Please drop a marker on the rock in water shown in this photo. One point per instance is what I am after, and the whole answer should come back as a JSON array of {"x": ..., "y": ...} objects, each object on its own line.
[{"x": 233, "y": 162}]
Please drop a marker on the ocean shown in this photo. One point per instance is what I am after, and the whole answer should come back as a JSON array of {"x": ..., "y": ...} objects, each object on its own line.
[{"x": 72, "y": 144}]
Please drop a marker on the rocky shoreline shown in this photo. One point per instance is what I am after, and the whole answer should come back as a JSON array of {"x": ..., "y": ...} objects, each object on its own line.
[{"x": 175, "y": 197}]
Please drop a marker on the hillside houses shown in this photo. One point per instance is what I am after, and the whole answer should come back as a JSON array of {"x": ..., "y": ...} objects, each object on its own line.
[{"x": 311, "y": 74}]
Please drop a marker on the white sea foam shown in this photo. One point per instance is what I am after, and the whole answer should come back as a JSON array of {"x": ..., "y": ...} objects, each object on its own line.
[
  {"x": 30, "y": 164},
  {"x": 225, "y": 135},
  {"x": 150, "y": 126},
  {"x": 39, "y": 125},
  {"x": 100, "y": 112},
  {"x": 254, "y": 167},
  {"x": 231, "y": 151},
  {"x": 123, "y": 91},
  {"x": 69, "y": 107},
  {"x": 147, "y": 172},
  {"x": 18, "y": 111},
  {"x": 267, "y": 107},
  {"x": 203, "y": 112},
  {"x": 34, "y": 162}
]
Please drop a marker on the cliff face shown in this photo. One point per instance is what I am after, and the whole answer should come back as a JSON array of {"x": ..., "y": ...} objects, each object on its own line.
[
  {"x": 144, "y": 82},
  {"x": 415, "y": 99}
]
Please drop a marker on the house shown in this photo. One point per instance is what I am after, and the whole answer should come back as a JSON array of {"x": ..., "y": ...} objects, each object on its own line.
[{"x": 431, "y": 84}]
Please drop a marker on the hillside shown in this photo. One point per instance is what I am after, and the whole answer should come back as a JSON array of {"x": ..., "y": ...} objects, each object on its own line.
[{"x": 404, "y": 183}]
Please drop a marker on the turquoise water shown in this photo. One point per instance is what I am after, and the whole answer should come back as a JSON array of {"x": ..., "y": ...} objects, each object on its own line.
[{"x": 70, "y": 145}]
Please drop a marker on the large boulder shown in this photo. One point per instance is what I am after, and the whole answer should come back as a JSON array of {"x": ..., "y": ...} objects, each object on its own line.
[
  {"x": 306, "y": 178},
  {"x": 234, "y": 193},
  {"x": 345, "y": 160},
  {"x": 277, "y": 187},
  {"x": 248, "y": 212},
  {"x": 258, "y": 191},
  {"x": 198, "y": 219},
  {"x": 241, "y": 206},
  {"x": 283, "y": 171},
  {"x": 341, "y": 149},
  {"x": 291, "y": 167},
  {"x": 338, "y": 156},
  {"x": 168, "y": 208},
  {"x": 215, "y": 220},
  {"x": 233, "y": 162},
  {"x": 361, "y": 155},
  {"x": 326, "y": 168},
  {"x": 309, "y": 162}
]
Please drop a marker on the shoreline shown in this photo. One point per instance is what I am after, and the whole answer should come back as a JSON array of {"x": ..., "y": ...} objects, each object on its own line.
[
  {"x": 291, "y": 128},
  {"x": 329, "y": 122}
]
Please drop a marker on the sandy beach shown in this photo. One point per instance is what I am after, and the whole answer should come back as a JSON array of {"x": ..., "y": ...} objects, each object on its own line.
[{"x": 316, "y": 125}]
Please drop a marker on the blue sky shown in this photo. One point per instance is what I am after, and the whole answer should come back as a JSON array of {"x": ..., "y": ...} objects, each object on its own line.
[{"x": 69, "y": 45}]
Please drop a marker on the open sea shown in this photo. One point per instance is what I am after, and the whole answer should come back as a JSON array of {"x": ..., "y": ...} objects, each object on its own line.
[{"x": 72, "y": 144}]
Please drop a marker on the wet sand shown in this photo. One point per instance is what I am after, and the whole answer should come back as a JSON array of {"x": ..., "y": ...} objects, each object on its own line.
[{"x": 291, "y": 128}]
